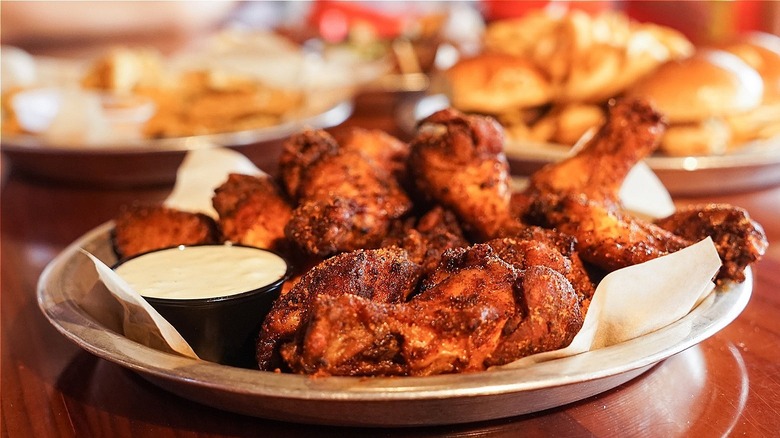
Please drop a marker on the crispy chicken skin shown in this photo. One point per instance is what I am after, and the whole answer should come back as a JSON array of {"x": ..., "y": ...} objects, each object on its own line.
[
  {"x": 547, "y": 318},
  {"x": 344, "y": 201},
  {"x": 599, "y": 168},
  {"x": 252, "y": 211},
  {"x": 739, "y": 239},
  {"x": 475, "y": 311},
  {"x": 609, "y": 237},
  {"x": 539, "y": 247},
  {"x": 141, "y": 228},
  {"x": 380, "y": 275},
  {"x": 426, "y": 238},
  {"x": 457, "y": 161},
  {"x": 579, "y": 195},
  {"x": 382, "y": 149}
]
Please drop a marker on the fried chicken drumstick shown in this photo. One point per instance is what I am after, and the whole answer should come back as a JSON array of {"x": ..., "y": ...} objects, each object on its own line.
[
  {"x": 457, "y": 161},
  {"x": 579, "y": 196}
]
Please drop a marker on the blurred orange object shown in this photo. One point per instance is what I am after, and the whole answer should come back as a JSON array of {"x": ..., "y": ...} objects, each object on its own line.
[
  {"x": 503, "y": 9},
  {"x": 708, "y": 22},
  {"x": 335, "y": 19}
]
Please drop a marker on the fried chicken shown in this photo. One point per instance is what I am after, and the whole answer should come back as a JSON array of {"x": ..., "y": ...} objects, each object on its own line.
[
  {"x": 739, "y": 240},
  {"x": 476, "y": 310},
  {"x": 457, "y": 161},
  {"x": 141, "y": 228},
  {"x": 381, "y": 275},
  {"x": 382, "y": 149},
  {"x": 426, "y": 238},
  {"x": 609, "y": 237},
  {"x": 344, "y": 201},
  {"x": 579, "y": 195},
  {"x": 535, "y": 246},
  {"x": 599, "y": 168},
  {"x": 252, "y": 211}
]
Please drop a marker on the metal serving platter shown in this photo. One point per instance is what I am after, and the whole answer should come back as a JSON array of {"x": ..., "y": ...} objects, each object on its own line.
[
  {"x": 153, "y": 161},
  {"x": 387, "y": 402},
  {"x": 753, "y": 166}
]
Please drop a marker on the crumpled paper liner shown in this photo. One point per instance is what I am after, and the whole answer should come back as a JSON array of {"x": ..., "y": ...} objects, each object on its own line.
[
  {"x": 140, "y": 321},
  {"x": 628, "y": 303}
]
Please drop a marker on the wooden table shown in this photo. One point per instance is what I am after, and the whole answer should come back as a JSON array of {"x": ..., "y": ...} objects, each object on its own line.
[{"x": 729, "y": 384}]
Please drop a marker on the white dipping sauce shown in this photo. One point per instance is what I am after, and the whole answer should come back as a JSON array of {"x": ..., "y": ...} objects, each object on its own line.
[{"x": 197, "y": 272}]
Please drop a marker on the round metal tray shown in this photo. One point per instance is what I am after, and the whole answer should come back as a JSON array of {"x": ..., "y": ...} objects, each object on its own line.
[{"x": 346, "y": 401}]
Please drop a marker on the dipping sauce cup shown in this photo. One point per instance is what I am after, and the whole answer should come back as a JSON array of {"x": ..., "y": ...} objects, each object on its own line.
[{"x": 216, "y": 296}]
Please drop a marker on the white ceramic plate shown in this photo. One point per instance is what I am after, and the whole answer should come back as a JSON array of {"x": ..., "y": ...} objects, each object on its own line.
[
  {"x": 751, "y": 167},
  {"x": 398, "y": 401},
  {"x": 147, "y": 162}
]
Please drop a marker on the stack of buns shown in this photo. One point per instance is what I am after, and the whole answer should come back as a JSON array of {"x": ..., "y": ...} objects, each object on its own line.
[
  {"x": 762, "y": 52},
  {"x": 548, "y": 76},
  {"x": 698, "y": 96}
]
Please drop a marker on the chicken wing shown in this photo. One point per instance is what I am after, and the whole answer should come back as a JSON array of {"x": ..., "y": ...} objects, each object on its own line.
[
  {"x": 598, "y": 169},
  {"x": 382, "y": 149},
  {"x": 381, "y": 275},
  {"x": 344, "y": 201},
  {"x": 609, "y": 237},
  {"x": 141, "y": 228},
  {"x": 579, "y": 195},
  {"x": 252, "y": 211},
  {"x": 739, "y": 239},
  {"x": 426, "y": 238},
  {"x": 457, "y": 161}
]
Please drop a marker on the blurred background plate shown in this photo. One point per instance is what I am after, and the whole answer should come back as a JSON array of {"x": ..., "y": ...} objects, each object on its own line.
[
  {"x": 753, "y": 166},
  {"x": 155, "y": 161}
]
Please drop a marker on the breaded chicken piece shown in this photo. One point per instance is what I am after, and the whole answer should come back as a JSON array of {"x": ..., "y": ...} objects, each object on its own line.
[
  {"x": 475, "y": 311},
  {"x": 141, "y": 228},
  {"x": 739, "y": 240},
  {"x": 457, "y": 161},
  {"x": 579, "y": 196},
  {"x": 381, "y": 148},
  {"x": 609, "y": 237},
  {"x": 252, "y": 211},
  {"x": 381, "y": 275},
  {"x": 344, "y": 201},
  {"x": 597, "y": 171},
  {"x": 540, "y": 247},
  {"x": 427, "y": 237}
]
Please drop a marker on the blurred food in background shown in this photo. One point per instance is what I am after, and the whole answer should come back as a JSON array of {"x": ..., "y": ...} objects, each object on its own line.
[
  {"x": 415, "y": 38},
  {"x": 700, "y": 96},
  {"x": 556, "y": 70},
  {"x": 546, "y": 71},
  {"x": 761, "y": 51},
  {"x": 236, "y": 81}
]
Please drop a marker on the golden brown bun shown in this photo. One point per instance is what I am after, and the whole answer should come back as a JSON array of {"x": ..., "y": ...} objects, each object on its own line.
[
  {"x": 494, "y": 83},
  {"x": 762, "y": 52},
  {"x": 711, "y": 83}
]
